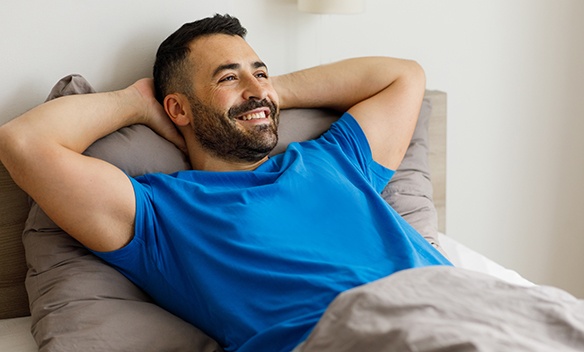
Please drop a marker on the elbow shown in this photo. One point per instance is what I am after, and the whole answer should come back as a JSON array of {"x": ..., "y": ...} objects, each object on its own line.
[
  {"x": 8, "y": 144},
  {"x": 416, "y": 75},
  {"x": 408, "y": 74},
  {"x": 13, "y": 148}
]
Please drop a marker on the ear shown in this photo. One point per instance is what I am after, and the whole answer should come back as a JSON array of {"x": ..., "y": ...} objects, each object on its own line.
[{"x": 177, "y": 107}]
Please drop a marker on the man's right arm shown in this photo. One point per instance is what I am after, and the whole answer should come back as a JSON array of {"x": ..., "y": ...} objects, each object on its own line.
[{"x": 90, "y": 199}]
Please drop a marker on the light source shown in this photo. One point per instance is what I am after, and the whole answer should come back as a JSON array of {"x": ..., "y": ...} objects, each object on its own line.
[
  {"x": 324, "y": 10},
  {"x": 332, "y": 6}
]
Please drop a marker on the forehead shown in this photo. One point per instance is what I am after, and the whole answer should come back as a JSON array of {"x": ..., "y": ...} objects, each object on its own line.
[{"x": 212, "y": 51}]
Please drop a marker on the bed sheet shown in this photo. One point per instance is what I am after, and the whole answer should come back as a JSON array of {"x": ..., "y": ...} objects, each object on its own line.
[
  {"x": 15, "y": 334},
  {"x": 444, "y": 308},
  {"x": 466, "y": 258}
]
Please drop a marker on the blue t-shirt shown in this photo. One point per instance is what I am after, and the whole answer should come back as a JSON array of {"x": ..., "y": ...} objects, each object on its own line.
[{"x": 254, "y": 258}]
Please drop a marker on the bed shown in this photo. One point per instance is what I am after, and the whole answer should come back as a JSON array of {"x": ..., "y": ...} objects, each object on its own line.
[{"x": 105, "y": 323}]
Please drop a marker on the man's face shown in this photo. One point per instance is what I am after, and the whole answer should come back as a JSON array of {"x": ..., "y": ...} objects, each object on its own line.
[{"x": 234, "y": 106}]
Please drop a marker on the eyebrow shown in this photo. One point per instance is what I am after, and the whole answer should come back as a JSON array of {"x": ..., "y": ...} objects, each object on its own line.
[{"x": 234, "y": 66}]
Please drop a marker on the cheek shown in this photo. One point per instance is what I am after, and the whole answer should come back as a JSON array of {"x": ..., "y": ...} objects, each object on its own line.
[
  {"x": 274, "y": 97},
  {"x": 223, "y": 101}
]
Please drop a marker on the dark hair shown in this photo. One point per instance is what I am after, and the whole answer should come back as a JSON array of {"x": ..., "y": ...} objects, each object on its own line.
[{"x": 171, "y": 68}]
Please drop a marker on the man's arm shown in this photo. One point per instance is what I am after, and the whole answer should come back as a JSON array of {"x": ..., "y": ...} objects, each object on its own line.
[
  {"x": 90, "y": 199},
  {"x": 383, "y": 94}
]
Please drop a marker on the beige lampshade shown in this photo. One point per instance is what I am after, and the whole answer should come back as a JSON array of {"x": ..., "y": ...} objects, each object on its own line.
[{"x": 332, "y": 6}]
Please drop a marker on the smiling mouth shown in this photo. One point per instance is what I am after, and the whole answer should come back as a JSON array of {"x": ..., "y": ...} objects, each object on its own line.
[{"x": 257, "y": 114}]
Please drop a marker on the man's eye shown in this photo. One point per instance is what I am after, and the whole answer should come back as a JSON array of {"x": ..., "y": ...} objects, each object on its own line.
[
  {"x": 228, "y": 78},
  {"x": 262, "y": 75}
]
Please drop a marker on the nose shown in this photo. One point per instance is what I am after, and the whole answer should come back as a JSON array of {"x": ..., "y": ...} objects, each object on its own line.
[{"x": 254, "y": 89}]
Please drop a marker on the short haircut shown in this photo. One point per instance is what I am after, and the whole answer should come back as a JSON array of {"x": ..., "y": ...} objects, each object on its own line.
[{"x": 171, "y": 68}]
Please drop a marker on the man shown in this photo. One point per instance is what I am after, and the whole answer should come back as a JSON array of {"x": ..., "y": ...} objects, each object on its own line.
[{"x": 248, "y": 248}]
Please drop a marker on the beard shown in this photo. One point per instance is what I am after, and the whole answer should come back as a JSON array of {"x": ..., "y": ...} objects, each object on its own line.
[{"x": 221, "y": 134}]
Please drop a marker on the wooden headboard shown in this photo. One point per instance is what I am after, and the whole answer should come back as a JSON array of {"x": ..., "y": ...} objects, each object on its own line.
[{"x": 437, "y": 157}]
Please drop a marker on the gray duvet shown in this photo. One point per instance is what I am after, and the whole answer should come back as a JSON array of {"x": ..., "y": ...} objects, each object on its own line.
[{"x": 449, "y": 309}]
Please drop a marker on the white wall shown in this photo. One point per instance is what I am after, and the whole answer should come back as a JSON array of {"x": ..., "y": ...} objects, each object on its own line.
[{"x": 513, "y": 70}]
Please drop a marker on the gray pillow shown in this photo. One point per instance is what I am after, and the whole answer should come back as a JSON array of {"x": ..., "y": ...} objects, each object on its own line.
[
  {"x": 79, "y": 303},
  {"x": 410, "y": 190}
]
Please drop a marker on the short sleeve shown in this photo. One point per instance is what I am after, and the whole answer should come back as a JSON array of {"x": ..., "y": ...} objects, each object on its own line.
[{"x": 348, "y": 134}]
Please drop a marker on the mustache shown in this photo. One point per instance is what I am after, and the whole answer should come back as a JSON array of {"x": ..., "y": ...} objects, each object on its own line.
[{"x": 253, "y": 104}]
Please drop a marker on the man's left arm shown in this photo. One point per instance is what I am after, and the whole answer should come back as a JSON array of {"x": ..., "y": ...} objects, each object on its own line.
[{"x": 383, "y": 94}]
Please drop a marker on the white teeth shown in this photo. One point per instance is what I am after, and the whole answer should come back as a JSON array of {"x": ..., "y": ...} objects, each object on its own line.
[{"x": 257, "y": 115}]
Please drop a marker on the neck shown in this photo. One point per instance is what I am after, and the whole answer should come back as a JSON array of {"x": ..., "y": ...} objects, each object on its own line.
[{"x": 206, "y": 162}]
